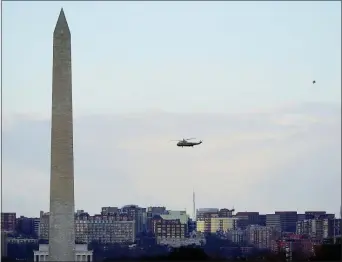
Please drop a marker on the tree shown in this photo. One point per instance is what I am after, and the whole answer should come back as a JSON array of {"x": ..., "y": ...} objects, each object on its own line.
[
  {"x": 188, "y": 253},
  {"x": 328, "y": 252}
]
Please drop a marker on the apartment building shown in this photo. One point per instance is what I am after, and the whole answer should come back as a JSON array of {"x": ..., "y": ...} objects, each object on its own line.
[
  {"x": 104, "y": 229},
  {"x": 217, "y": 224},
  {"x": 237, "y": 236},
  {"x": 168, "y": 228},
  {"x": 261, "y": 236},
  {"x": 311, "y": 227},
  {"x": 100, "y": 228},
  {"x": 318, "y": 228}
]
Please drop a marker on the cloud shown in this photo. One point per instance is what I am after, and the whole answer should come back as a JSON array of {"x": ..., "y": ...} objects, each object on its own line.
[{"x": 282, "y": 159}]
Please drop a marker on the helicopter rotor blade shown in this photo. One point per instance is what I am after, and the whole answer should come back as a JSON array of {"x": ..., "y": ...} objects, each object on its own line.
[{"x": 189, "y": 138}]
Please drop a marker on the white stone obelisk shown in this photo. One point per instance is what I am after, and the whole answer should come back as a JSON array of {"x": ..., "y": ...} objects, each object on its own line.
[{"x": 62, "y": 202}]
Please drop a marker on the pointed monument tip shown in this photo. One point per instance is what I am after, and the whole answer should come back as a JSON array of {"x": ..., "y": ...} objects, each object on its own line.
[
  {"x": 62, "y": 24},
  {"x": 61, "y": 17},
  {"x": 61, "y": 13}
]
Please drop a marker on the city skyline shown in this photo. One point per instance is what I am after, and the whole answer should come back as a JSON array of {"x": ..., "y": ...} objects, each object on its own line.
[
  {"x": 139, "y": 231},
  {"x": 98, "y": 212},
  {"x": 271, "y": 138}
]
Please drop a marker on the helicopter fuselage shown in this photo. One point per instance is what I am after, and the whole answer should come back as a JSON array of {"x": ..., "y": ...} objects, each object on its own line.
[{"x": 188, "y": 144}]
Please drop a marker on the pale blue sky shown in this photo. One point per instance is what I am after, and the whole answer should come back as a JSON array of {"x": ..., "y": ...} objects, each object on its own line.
[
  {"x": 189, "y": 57},
  {"x": 174, "y": 56}
]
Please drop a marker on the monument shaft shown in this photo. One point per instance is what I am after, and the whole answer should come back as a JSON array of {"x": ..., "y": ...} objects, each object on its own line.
[{"x": 62, "y": 203}]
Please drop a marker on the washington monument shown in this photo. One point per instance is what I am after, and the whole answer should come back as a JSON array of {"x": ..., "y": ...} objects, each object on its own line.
[{"x": 62, "y": 202}]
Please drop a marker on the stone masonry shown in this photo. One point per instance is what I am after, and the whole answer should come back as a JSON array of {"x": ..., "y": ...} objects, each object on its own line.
[{"x": 62, "y": 203}]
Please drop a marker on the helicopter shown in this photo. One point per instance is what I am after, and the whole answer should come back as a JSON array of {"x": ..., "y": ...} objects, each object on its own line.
[
  {"x": 314, "y": 82},
  {"x": 185, "y": 142}
]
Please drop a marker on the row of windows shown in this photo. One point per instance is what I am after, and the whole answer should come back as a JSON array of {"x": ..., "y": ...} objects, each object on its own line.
[
  {"x": 170, "y": 229},
  {"x": 177, "y": 233},
  {"x": 104, "y": 221},
  {"x": 107, "y": 233},
  {"x": 163, "y": 236},
  {"x": 105, "y": 228},
  {"x": 178, "y": 226}
]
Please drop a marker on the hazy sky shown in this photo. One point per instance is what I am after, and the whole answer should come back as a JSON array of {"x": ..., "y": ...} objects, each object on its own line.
[{"x": 177, "y": 66}]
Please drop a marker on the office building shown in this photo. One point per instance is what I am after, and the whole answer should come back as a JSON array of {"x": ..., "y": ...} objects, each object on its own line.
[
  {"x": 44, "y": 225},
  {"x": 331, "y": 227},
  {"x": 301, "y": 217},
  {"x": 288, "y": 220},
  {"x": 138, "y": 214},
  {"x": 273, "y": 220},
  {"x": 262, "y": 220},
  {"x": 110, "y": 211},
  {"x": 313, "y": 214},
  {"x": 27, "y": 226},
  {"x": 192, "y": 226},
  {"x": 247, "y": 218},
  {"x": 225, "y": 212},
  {"x": 174, "y": 214},
  {"x": 150, "y": 213},
  {"x": 203, "y": 213},
  {"x": 8, "y": 222}
]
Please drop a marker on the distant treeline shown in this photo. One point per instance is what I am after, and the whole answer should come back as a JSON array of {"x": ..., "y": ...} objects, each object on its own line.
[
  {"x": 322, "y": 253},
  {"x": 183, "y": 253},
  {"x": 327, "y": 252}
]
